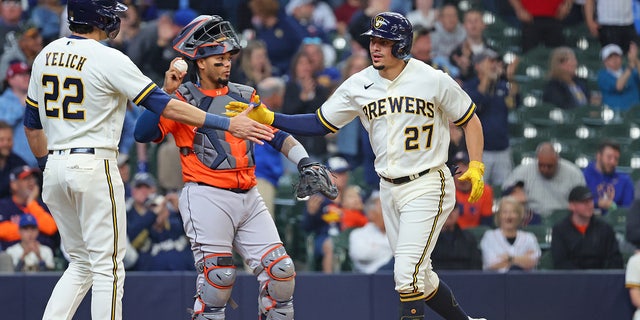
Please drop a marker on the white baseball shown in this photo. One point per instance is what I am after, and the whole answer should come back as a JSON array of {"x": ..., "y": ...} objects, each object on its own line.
[{"x": 181, "y": 65}]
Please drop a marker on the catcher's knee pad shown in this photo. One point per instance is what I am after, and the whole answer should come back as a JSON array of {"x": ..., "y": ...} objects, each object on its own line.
[
  {"x": 276, "y": 294},
  {"x": 219, "y": 276},
  {"x": 282, "y": 311}
]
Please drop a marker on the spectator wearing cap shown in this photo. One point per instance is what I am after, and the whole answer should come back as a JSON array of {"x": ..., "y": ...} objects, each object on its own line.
[
  {"x": 10, "y": 19},
  {"x": 617, "y": 82},
  {"x": 8, "y": 159},
  {"x": 25, "y": 198},
  {"x": 29, "y": 255},
  {"x": 581, "y": 240},
  {"x": 479, "y": 212},
  {"x": 494, "y": 98},
  {"x": 456, "y": 249},
  {"x": 565, "y": 89},
  {"x": 322, "y": 215},
  {"x": 27, "y": 46},
  {"x": 508, "y": 247},
  {"x": 547, "y": 181},
  {"x": 154, "y": 228},
  {"x": 151, "y": 49},
  {"x": 13, "y": 102},
  {"x": 611, "y": 189}
]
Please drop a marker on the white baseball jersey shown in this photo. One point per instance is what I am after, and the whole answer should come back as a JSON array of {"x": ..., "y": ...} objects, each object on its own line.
[
  {"x": 79, "y": 105},
  {"x": 80, "y": 88},
  {"x": 632, "y": 277},
  {"x": 407, "y": 118}
]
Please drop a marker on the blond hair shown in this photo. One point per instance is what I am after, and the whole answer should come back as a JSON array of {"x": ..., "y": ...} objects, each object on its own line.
[{"x": 517, "y": 207}]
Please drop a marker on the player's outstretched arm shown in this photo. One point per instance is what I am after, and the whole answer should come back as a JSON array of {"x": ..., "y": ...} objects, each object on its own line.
[
  {"x": 146, "y": 129},
  {"x": 242, "y": 127},
  {"x": 475, "y": 144},
  {"x": 303, "y": 124}
]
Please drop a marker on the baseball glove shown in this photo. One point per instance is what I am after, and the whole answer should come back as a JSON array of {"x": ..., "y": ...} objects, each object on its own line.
[{"x": 314, "y": 178}]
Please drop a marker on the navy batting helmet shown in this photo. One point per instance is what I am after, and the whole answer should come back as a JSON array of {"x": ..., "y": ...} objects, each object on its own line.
[
  {"x": 393, "y": 26},
  {"x": 102, "y": 14},
  {"x": 206, "y": 36}
]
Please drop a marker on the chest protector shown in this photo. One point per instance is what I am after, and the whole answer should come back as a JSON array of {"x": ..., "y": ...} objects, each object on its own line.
[{"x": 210, "y": 145}]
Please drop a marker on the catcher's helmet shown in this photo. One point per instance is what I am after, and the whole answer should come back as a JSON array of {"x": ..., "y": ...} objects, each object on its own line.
[
  {"x": 393, "y": 26},
  {"x": 206, "y": 36},
  {"x": 102, "y": 14}
]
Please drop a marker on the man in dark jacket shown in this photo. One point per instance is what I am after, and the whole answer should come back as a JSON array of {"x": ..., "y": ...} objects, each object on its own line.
[{"x": 582, "y": 241}]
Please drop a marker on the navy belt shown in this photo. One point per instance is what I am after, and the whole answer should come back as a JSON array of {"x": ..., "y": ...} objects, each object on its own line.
[
  {"x": 405, "y": 179},
  {"x": 235, "y": 190},
  {"x": 77, "y": 150}
]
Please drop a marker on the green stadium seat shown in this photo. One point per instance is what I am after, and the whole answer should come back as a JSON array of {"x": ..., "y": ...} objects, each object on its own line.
[
  {"x": 478, "y": 231},
  {"x": 542, "y": 233},
  {"x": 617, "y": 219},
  {"x": 555, "y": 217},
  {"x": 546, "y": 261}
]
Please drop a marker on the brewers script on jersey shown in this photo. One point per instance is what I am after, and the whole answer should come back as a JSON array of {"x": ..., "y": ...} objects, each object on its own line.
[{"x": 80, "y": 107}]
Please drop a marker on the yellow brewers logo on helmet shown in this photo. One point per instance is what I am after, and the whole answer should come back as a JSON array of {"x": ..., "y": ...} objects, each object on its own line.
[{"x": 380, "y": 21}]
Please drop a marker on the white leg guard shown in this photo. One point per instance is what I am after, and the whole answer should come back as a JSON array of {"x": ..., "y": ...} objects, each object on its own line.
[
  {"x": 216, "y": 277},
  {"x": 276, "y": 294}
]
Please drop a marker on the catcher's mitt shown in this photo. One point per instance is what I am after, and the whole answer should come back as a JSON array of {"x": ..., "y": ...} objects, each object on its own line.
[{"x": 314, "y": 178}]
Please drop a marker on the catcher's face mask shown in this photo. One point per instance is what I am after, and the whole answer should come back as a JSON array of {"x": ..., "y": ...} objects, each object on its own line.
[{"x": 206, "y": 36}]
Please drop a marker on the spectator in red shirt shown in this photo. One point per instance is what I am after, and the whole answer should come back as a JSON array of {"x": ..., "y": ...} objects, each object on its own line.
[{"x": 541, "y": 21}]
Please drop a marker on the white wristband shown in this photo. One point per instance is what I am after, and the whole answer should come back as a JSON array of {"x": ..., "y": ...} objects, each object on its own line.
[{"x": 297, "y": 153}]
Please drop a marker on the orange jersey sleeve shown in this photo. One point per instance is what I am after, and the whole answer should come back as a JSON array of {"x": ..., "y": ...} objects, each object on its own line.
[
  {"x": 46, "y": 224},
  {"x": 9, "y": 231}
]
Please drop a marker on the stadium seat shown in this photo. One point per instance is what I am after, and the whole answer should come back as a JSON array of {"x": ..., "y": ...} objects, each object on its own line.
[
  {"x": 546, "y": 261},
  {"x": 555, "y": 217},
  {"x": 617, "y": 219},
  {"x": 341, "y": 260},
  {"x": 542, "y": 233},
  {"x": 478, "y": 231}
]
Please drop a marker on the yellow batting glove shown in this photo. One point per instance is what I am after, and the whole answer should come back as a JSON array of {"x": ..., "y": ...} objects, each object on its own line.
[
  {"x": 474, "y": 174},
  {"x": 259, "y": 113}
]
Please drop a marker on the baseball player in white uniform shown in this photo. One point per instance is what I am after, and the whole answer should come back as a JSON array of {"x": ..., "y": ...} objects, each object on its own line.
[
  {"x": 406, "y": 106},
  {"x": 75, "y": 111}
]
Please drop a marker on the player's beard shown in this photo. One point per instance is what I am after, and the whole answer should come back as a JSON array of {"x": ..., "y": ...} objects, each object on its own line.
[
  {"x": 380, "y": 67},
  {"x": 223, "y": 82}
]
